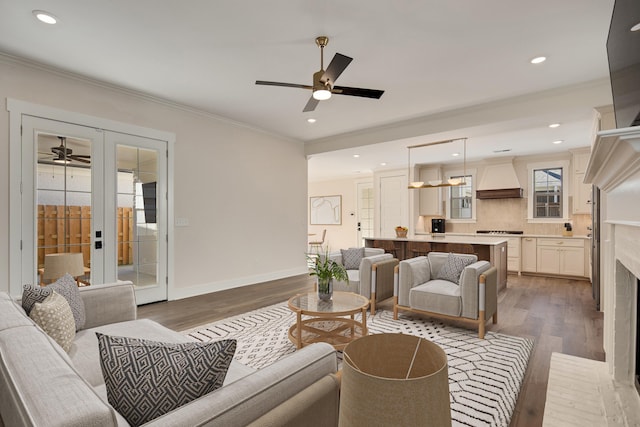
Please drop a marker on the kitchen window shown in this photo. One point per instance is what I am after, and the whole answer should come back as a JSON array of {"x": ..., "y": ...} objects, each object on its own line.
[
  {"x": 548, "y": 192},
  {"x": 461, "y": 198}
]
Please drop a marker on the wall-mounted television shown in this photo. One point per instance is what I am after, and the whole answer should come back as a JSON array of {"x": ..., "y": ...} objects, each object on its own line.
[
  {"x": 623, "y": 51},
  {"x": 149, "y": 200}
]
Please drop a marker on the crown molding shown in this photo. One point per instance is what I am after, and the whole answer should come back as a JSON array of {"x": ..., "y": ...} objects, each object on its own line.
[
  {"x": 615, "y": 157},
  {"x": 17, "y": 60}
]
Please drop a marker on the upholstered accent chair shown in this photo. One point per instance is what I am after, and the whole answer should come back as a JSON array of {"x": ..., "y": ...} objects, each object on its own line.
[
  {"x": 370, "y": 271},
  {"x": 448, "y": 286}
]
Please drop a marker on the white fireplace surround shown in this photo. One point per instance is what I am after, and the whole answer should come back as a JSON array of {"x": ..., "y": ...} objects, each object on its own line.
[{"x": 614, "y": 167}]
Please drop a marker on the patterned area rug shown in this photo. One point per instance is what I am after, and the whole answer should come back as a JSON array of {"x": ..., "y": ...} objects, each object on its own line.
[{"x": 485, "y": 376}]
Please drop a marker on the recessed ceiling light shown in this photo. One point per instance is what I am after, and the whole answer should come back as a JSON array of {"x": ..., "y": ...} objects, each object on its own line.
[
  {"x": 554, "y": 125},
  {"x": 311, "y": 120},
  {"x": 356, "y": 155},
  {"x": 455, "y": 154},
  {"x": 538, "y": 59},
  {"x": 383, "y": 164},
  {"x": 45, "y": 17},
  {"x": 559, "y": 141},
  {"x": 636, "y": 27}
]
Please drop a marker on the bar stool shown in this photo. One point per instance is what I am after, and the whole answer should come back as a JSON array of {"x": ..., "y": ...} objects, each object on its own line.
[{"x": 317, "y": 245}]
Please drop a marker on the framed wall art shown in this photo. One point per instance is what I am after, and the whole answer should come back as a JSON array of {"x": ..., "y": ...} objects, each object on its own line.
[{"x": 325, "y": 210}]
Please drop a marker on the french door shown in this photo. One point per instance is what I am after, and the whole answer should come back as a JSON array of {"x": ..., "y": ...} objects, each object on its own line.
[{"x": 98, "y": 193}]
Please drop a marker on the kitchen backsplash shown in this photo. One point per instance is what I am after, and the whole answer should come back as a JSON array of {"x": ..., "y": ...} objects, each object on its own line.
[{"x": 509, "y": 214}]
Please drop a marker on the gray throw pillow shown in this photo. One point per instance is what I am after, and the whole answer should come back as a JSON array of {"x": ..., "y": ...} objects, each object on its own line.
[
  {"x": 351, "y": 258},
  {"x": 453, "y": 267},
  {"x": 146, "y": 379},
  {"x": 65, "y": 286}
]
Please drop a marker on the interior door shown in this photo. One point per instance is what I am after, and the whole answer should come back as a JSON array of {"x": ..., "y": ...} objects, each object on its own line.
[
  {"x": 365, "y": 211},
  {"x": 94, "y": 192},
  {"x": 393, "y": 204}
]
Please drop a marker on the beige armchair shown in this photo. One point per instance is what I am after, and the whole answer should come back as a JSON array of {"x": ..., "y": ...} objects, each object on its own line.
[
  {"x": 447, "y": 286},
  {"x": 373, "y": 278}
]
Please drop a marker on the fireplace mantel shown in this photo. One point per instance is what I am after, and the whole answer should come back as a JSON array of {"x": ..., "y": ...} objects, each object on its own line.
[
  {"x": 615, "y": 157},
  {"x": 614, "y": 167}
]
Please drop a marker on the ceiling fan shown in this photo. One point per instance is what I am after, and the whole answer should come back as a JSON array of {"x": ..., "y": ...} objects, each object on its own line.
[
  {"x": 323, "y": 81},
  {"x": 64, "y": 154}
]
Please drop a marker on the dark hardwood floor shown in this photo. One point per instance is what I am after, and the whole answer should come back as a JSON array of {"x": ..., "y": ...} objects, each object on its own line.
[{"x": 559, "y": 314}]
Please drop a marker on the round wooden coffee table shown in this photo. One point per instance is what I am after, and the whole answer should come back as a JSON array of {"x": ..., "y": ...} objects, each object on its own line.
[{"x": 325, "y": 322}]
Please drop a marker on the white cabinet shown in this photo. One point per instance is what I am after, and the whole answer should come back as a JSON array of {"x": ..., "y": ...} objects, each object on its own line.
[
  {"x": 513, "y": 254},
  {"x": 431, "y": 198},
  {"x": 529, "y": 252},
  {"x": 581, "y": 192},
  {"x": 560, "y": 256}
]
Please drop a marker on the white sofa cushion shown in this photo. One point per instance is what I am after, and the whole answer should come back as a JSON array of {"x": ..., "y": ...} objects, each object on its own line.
[
  {"x": 85, "y": 356},
  {"x": 438, "y": 296}
]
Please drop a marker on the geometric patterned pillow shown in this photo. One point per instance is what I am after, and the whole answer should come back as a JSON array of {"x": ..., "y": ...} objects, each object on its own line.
[
  {"x": 65, "y": 286},
  {"x": 452, "y": 268},
  {"x": 351, "y": 258},
  {"x": 54, "y": 316},
  {"x": 32, "y": 294},
  {"x": 146, "y": 379}
]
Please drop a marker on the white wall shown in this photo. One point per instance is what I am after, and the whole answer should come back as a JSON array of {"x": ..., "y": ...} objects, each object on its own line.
[
  {"x": 338, "y": 236},
  {"x": 243, "y": 191}
]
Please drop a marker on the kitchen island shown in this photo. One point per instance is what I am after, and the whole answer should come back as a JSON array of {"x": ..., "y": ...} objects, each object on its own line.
[{"x": 487, "y": 248}]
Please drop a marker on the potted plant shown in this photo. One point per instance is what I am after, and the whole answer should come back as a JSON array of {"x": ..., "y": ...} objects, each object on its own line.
[{"x": 325, "y": 269}]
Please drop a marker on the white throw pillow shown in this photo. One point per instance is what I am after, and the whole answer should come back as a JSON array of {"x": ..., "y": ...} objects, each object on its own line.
[{"x": 54, "y": 316}]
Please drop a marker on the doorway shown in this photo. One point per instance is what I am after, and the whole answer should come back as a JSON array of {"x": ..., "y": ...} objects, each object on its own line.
[
  {"x": 98, "y": 193},
  {"x": 365, "y": 211}
]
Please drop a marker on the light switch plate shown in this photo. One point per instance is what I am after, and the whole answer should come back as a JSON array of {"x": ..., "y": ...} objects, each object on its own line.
[{"x": 182, "y": 222}]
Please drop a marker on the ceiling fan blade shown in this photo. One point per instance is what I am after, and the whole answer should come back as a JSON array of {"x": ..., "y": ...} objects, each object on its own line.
[
  {"x": 312, "y": 103},
  {"x": 356, "y": 91},
  {"x": 262, "y": 82},
  {"x": 81, "y": 159},
  {"x": 336, "y": 67}
]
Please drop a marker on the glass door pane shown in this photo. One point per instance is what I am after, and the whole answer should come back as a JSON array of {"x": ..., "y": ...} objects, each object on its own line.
[
  {"x": 365, "y": 211},
  {"x": 63, "y": 198},
  {"x": 137, "y": 209}
]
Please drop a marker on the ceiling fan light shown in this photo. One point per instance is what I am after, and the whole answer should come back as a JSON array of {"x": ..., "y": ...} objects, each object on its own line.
[
  {"x": 61, "y": 161},
  {"x": 321, "y": 94}
]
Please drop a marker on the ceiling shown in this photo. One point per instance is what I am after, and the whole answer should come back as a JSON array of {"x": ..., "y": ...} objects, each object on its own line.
[{"x": 444, "y": 65}]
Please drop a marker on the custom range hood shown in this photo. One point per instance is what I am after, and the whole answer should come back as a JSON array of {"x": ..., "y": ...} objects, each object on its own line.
[{"x": 499, "y": 181}]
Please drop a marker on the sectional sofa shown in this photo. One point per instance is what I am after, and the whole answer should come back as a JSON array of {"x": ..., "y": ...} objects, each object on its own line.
[{"x": 42, "y": 385}]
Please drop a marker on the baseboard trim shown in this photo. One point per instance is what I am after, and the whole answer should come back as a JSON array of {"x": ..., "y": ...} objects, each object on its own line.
[{"x": 206, "y": 288}]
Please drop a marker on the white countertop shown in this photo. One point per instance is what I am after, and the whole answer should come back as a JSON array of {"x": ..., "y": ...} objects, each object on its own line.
[
  {"x": 480, "y": 239},
  {"x": 506, "y": 236}
]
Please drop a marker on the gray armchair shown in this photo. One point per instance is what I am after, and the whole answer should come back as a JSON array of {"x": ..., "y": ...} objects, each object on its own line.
[
  {"x": 373, "y": 278},
  {"x": 428, "y": 285}
]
